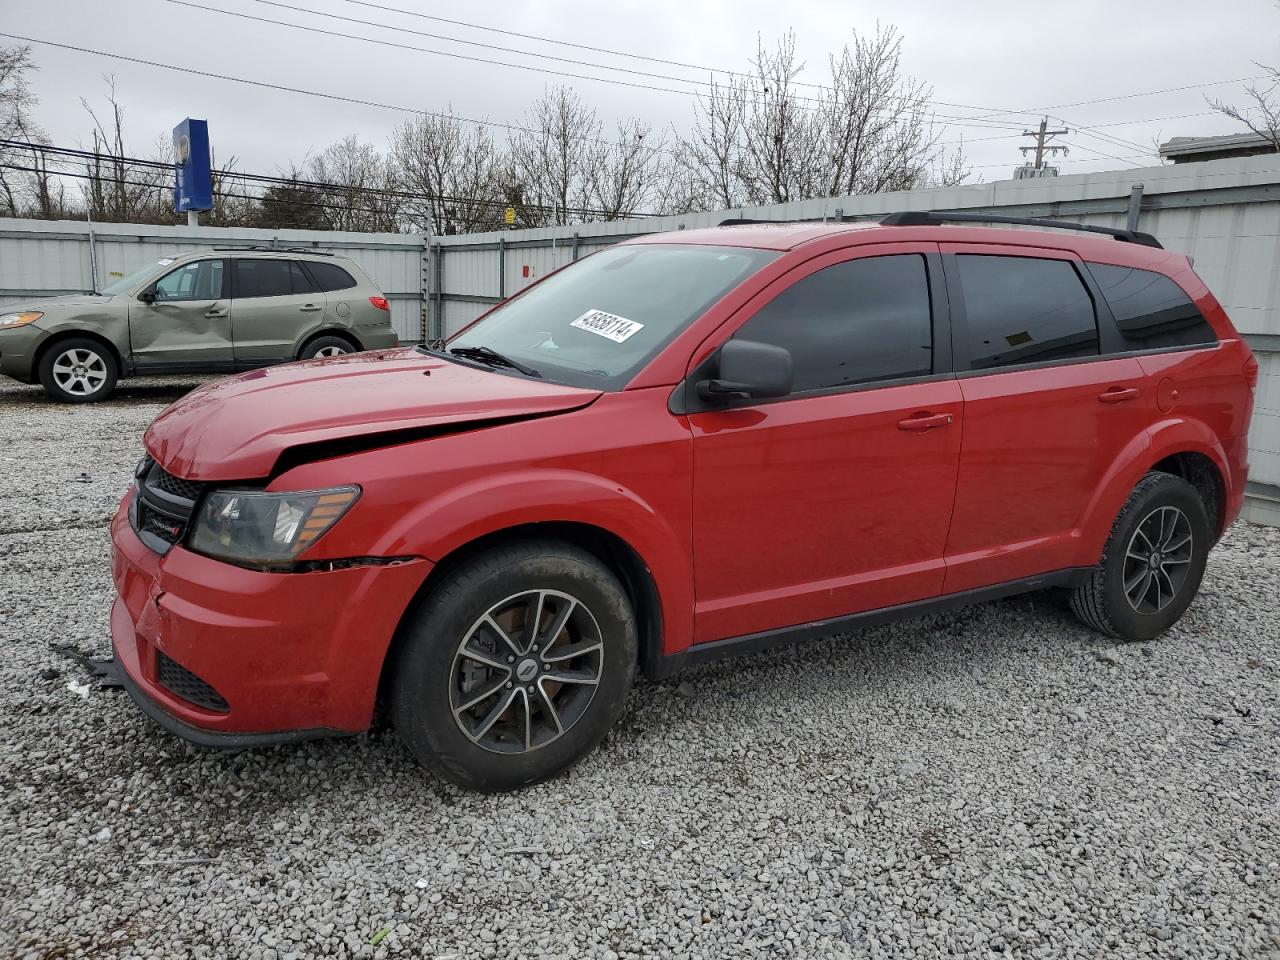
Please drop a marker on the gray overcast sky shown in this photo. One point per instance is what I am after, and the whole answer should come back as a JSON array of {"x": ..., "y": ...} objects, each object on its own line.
[{"x": 994, "y": 54}]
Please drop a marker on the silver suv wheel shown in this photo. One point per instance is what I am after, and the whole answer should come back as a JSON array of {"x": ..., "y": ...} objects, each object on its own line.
[
  {"x": 331, "y": 351},
  {"x": 80, "y": 372}
]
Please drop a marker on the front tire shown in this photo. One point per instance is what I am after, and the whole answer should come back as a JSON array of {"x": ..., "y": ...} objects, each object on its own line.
[
  {"x": 515, "y": 666},
  {"x": 1153, "y": 562},
  {"x": 78, "y": 370}
]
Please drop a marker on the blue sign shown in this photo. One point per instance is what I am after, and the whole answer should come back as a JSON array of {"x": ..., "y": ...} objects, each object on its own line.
[{"x": 192, "y": 178}]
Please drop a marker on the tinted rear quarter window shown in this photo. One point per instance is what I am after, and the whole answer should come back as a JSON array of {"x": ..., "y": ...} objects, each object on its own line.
[
  {"x": 1025, "y": 310},
  {"x": 854, "y": 322},
  {"x": 330, "y": 276},
  {"x": 1151, "y": 310}
]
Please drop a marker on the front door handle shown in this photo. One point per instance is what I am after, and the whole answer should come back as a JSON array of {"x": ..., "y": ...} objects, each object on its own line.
[
  {"x": 216, "y": 312},
  {"x": 310, "y": 308},
  {"x": 1118, "y": 395},
  {"x": 925, "y": 421}
]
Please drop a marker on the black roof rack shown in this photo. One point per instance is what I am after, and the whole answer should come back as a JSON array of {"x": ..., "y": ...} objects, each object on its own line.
[
  {"x": 922, "y": 218},
  {"x": 265, "y": 249}
]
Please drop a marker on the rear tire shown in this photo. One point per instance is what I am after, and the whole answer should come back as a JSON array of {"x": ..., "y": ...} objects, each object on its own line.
[
  {"x": 78, "y": 370},
  {"x": 325, "y": 347},
  {"x": 492, "y": 709},
  {"x": 1153, "y": 562}
]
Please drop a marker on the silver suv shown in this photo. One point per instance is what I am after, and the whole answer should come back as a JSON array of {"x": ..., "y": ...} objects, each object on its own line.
[{"x": 211, "y": 312}]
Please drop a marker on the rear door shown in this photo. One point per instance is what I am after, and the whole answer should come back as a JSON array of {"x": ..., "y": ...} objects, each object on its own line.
[
  {"x": 1046, "y": 414},
  {"x": 188, "y": 324},
  {"x": 274, "y": 305},
  {"x": 835, "y": 499}
]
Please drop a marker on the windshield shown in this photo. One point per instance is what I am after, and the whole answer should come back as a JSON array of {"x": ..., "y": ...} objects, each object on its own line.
[
  {"x": 130, "y": 280},
  {"x": 597, "y": 322}
]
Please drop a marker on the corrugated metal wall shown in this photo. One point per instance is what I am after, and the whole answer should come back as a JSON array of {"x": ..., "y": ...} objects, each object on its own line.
[
  {"x": 44, "y": 258},
  {"x": 1224, "y": 213}
]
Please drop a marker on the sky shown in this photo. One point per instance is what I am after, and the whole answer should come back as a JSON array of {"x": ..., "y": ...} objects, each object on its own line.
[{"x": 995, "y": 66}]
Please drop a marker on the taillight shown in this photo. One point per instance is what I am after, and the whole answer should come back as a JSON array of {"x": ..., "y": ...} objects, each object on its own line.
[
  {"x": 380, "y": 303},
  {"x": 1251, "y": 371}
]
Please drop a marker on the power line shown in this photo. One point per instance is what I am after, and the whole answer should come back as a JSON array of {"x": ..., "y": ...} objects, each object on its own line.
[{"x": 961, "y": 121}]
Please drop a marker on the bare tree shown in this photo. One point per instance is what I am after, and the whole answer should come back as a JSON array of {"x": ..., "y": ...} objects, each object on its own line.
[
  {"x": 456, "y": 171},
  {"x": 624, "y": 175},
  {"x": 1262, "y": 115},
  {"x": 360, "y": 187},
  {"x": 22, "y": 191},
  {"x": 119, "y": 191},
  {"x": 547, "y": 159},
  {"x": 757, "y": 139}
]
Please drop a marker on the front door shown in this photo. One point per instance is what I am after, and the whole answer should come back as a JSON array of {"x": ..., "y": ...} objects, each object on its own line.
[
  {"x": 837, "y": 498},
  {"x": 187, "y": 326},
  {"x": 274, "y": 307},
  {"x": 1046, "y": 413}
]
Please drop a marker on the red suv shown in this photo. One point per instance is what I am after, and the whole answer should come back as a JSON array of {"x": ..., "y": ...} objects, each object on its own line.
[{"x": 684, "y": 446}]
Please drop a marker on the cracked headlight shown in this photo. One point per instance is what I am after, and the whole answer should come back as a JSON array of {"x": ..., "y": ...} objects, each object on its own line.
[{"x": 257, "y": 529}]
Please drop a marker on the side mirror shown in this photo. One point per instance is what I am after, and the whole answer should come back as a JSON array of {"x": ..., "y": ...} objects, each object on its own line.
[
  {"x": 147, "y": 296},
  {"x": 749, "y": 370}
]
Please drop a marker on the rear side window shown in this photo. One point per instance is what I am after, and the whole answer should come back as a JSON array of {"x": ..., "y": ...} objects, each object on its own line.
[
  {"x": 1150, "y": 309},
  {"x": 854, "y": 322},
  {"x": 330, "y": 276},
  {"x": 1025, "y": 310},
  {"x": 270, "y": 278}
]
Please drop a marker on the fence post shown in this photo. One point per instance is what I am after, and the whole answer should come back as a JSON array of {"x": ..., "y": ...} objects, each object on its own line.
[
  {"x": 502, "y": 268},
  {"x": 575, "y": 245},
  {"x": 1135, "y": 205},
  {"x": 425, "y": 302},
  {"x": 438, "y": 332}
]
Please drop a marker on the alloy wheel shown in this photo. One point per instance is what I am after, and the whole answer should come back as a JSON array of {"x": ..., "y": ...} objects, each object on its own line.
[
  {"x": 1158, "y": 559},
  {"x": 334, "y": 351},
  {"x": 526, "y": 671},
  {"x": 79, "y": 372}
]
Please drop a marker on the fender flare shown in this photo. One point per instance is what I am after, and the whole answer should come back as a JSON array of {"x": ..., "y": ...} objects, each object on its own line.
[
  {"x": 441, "y": 524},
  {"x": 1162, "y": 439}
]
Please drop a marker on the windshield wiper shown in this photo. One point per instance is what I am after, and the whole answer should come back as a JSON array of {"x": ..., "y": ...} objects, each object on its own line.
[{"x": 493, "y": 357}]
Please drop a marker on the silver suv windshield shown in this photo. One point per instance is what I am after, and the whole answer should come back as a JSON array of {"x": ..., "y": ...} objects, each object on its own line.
[
  {"x": 129, "y": 280},
  {"x": 598, "y": 321}
]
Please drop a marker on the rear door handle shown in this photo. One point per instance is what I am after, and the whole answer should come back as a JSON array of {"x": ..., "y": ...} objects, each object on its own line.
[
  {"x": 310, "y": 308},
  {"x": 1118, "y": 395},
  {"x": 216, "y": 312},
  {"x": 927, "y": 421}
]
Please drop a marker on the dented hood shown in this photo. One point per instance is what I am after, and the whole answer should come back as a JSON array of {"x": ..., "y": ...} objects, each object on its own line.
[{"x": 236, "y": 428}]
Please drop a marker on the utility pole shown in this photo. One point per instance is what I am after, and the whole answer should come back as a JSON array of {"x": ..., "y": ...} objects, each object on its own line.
[{"x": 1043, "y": 140}]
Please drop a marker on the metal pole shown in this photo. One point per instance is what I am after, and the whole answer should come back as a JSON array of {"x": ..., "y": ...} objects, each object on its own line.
[
  {"x": 1135, "y": 205},
  {"x": 438, "y": 332},
  {"x": 502, "y": 268},
  {"x": 93, "y": 254},
  {"x": 193, "y": 218},
  {"x": 575, "y": 245}
]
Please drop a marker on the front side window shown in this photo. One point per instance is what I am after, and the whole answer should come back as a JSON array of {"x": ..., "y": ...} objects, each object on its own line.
[
  {"x": 854, "y": 322},
  {"x": 201, "y": 280},
  {"x": 1025, "y": 310},
  {"x": 270, "y": 278},
  {"x": 1150, "y": 309},
  {"x": 598, "y": 321}
]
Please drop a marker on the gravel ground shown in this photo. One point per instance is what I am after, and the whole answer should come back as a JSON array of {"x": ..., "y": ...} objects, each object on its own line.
[{"x": 998, "y": 782}]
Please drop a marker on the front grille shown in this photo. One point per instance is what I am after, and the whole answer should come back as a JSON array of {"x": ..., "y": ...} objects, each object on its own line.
[
  {"x": 163, "y": 506},
  {"x": 181, "y": 682},
  {"x": 184, "y": 489}
]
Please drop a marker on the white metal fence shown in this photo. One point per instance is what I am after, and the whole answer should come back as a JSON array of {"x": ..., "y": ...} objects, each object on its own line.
[
  {"x": 1223, "y": 213},
  {"x": 40, "y": 258}
]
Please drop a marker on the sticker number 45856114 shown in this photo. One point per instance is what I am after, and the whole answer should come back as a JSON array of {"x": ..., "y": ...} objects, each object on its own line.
[{"x": 607, "y": 325}]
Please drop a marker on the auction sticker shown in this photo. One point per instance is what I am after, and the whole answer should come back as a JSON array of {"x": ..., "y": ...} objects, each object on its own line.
[{"x": 607, "y": 325}]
